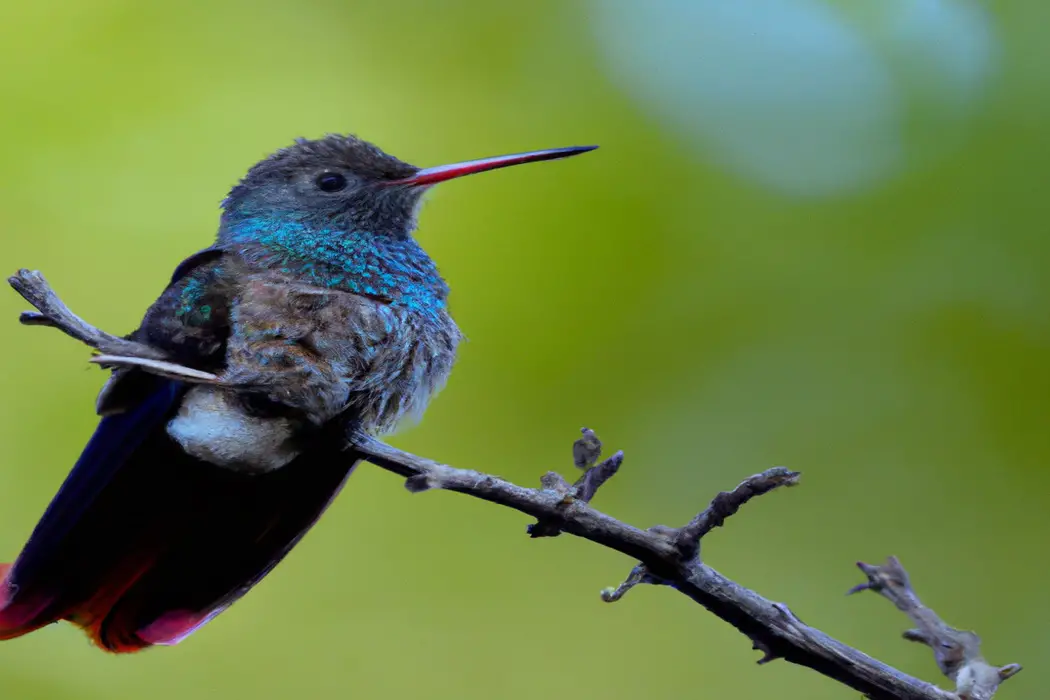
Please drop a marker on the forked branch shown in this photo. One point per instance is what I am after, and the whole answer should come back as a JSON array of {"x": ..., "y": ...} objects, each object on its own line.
[{"x": 665, "y": 555}]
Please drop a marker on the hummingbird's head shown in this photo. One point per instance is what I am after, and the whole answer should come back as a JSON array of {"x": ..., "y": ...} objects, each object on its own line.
[{"x": 345, "y": 183}]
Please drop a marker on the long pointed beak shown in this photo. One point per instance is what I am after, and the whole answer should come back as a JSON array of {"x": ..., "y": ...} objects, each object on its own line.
[{"x": 440, "y": 173}]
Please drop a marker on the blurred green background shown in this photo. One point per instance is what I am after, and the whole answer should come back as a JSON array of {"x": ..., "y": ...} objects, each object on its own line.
[{"x": 815, "y": 235}]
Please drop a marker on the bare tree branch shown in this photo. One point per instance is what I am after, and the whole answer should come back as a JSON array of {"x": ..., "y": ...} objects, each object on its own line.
[
  {"x": 727, "y": 503},
  {"x": 665, "y": 555},
  {"x": 958, "y": 652},
  {"x": 35, "y": 289}
]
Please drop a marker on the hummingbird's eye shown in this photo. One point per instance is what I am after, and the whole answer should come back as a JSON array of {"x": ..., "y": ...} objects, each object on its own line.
[{"x": 331, "y": 182}]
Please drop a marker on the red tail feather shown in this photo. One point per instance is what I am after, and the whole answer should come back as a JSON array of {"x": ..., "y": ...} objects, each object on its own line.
[{"x": 21, "y": 617}]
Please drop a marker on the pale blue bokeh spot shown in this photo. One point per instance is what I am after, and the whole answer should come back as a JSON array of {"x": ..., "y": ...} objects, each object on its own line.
[{"x": 800, "y": 96}]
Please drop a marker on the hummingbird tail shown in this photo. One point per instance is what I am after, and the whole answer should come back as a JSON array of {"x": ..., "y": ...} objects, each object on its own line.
[
  {"x": 144, "y": 544},
  {"x": 22, "y": 616}
]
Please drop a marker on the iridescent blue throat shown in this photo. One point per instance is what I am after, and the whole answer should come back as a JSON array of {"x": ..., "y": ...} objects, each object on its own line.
[{"x": 396, "y": 270}]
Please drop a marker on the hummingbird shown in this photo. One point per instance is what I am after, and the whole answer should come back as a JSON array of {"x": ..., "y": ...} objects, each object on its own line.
[{"x": 314, "y": 313}]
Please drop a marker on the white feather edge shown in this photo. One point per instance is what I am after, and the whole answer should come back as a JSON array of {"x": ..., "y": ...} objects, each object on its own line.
[{"x": 159, "y": 367}]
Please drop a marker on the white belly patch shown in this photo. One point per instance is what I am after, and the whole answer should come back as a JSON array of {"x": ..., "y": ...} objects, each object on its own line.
[{"x": 212, "y": 428}]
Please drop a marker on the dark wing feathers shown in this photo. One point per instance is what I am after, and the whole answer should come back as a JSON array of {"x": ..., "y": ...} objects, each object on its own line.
[{"x": 143, "y": 544}]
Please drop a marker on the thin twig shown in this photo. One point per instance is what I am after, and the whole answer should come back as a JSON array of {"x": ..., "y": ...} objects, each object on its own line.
[
  {"x": 958, "y": 652},
  {"x": 771, "y": 626},
  {"x": 35, "y": 289},
  {"x": 727, "y": 503},
  {"x": 587, "y": 449},
  {"x": 666, "y": 556},
  {"x": 583, "y": 490}
]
